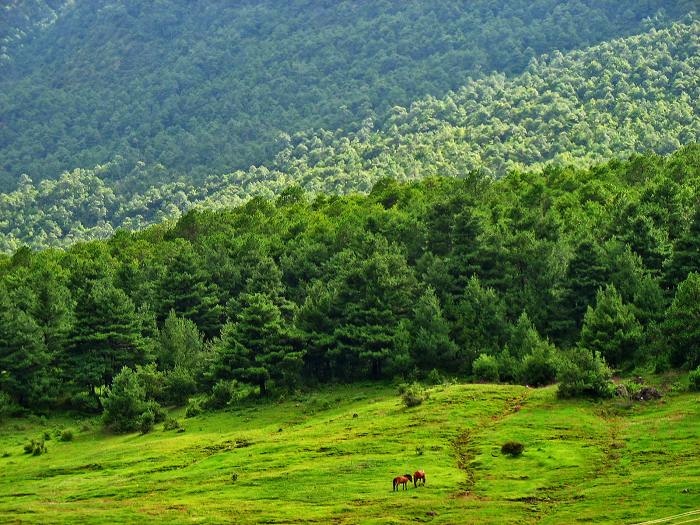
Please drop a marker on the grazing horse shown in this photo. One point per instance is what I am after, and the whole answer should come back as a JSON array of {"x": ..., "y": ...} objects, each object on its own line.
[
  {"x": 402, "y": 480},
  {"x": 418, "y": 475}
]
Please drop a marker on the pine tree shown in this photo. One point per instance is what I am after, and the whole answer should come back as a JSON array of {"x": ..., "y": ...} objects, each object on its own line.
[
  {"x": 686, "y": 254},
  {"x": 258, "y": 346},
  {"x": 185, "y": 288},
  {"x": 372, "y": 298},
  {"x": 23, "y": 355},
  {"x": 585, "y": 274},
  {"x": 180, "y": 343},
  {"x": 480, "y": 324},
  {"x": 107, "y": 336},
  {"x": 682, "y": 324},
  {"x": 611, "y": 328},
  {"x": 431, "y": 346}
]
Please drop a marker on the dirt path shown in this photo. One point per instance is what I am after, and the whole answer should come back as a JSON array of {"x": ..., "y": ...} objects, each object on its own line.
[{"x": 463, "y": 444}]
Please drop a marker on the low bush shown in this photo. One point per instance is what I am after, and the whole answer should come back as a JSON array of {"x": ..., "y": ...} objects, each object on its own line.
[
  {"x": 7, "y": 407},
  {"x": 485, "y": 368},
  {"x": 35, "y": 447},
  {"x": 414, "y": 395},
  {"x": 222, "y": 394},
  {"x": 180, "y": 384},
  {"x": 146, "y": 421},
  {"x": 435, "y": 377},
  {"x": 171, "y": 424},
  {"x": 512, "y": 448},
  {"x": 694, "y": 379},
  {"x": 66, "y": 435},
  {"x": 583, "y": 373},
  {"x": 194, "y": 407},
  {"x": 539, "y": 367}
]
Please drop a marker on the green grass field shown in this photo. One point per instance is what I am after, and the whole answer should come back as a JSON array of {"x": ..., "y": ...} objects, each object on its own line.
[{"x": 309, "y": 459}]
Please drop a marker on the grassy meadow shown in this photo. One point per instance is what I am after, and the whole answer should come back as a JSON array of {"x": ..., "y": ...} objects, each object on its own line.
[{"x": 330, "y": 456}]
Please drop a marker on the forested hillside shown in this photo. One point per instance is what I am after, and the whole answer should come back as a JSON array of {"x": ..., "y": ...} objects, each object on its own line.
[
  {"x": 641, "y": 93},
  {"x": 20, "y": 19},
  {"x": 536, "y": 276},
  {"x": 207, "y": 87}
]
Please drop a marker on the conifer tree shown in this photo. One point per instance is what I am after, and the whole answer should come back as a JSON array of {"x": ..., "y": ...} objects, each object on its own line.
[
  {"x": 611, "y": 328},
  {"x": 23, "y": 355},
  {"x": 258, "y": 346},
  {"x": 682, "y": 324},
  {"x": 431, "y": 346},
  {"x": 107, "y": 336},
  {"x": 686, "y": 254}
]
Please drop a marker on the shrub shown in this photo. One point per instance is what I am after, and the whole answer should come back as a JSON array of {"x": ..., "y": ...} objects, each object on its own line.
[
  {"x": 221, "y": 394},
  {"x": 125, "y": 402},
  {"x": 171, "y": 424},
  {"x": 194, "y": 407},
  {"x": 84, "y": 403},
  {"x": 159, "y": 414},
  {"x": 509, "y": 367},
  {"x": 66, "y": 435},
  {"x": 694, "y": 378},
  {"x": 125, "y": 405},
  {"x": 152, "y": 380},
  {"x": 434, "y": 377},
  {"x": 35, "y": 447},
  {"x": 146, "y": 421},
  {"x": 582, "y": 373},
  {"x": 512, "y": 448},
  {"x": 413, "y": 396},
  {"x": 47, "y": 435},
  {"x": 7, "y": 407},
  {"x": 180, "y": 384},
  {"x": 485, "y": 368},
  {"x": 539, "y": 367}
]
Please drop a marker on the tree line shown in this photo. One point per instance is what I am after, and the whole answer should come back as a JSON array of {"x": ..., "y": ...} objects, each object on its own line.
[{"x": 561, "y": 273}]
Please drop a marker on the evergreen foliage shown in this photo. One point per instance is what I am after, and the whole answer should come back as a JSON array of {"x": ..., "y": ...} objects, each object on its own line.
[
  {"x": 562, "y": 110},
  {"x": 306, "y": 289}
]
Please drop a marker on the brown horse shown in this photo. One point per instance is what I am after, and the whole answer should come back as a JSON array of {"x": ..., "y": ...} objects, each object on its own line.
[
  {"x": 402, "y": 480},
  {"x": 418, "y": 475}
]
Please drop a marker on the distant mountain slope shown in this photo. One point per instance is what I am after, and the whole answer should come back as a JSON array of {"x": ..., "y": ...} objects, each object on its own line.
[
  {"x": 20, "y": 19},
  {"x": 206, "y": 87},
  {"x": 637, "y": 94}
]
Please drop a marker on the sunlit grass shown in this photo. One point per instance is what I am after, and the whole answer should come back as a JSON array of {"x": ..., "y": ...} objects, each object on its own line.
[{"x": 330, "y": 457}]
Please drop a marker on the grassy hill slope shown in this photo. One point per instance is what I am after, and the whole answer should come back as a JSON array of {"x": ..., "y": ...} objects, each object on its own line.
[{"x": 309, "y": 459}]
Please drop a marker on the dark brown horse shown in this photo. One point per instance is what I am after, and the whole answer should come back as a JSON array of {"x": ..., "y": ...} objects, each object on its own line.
[
  {"x": 418, "y": 475},
  {"x": 402, "y": 480}
]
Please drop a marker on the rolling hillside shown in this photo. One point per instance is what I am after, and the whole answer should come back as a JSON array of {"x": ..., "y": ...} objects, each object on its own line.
[
  {"x": 207, "y": 87},
  {"x": 622, "y": 97},
  {"x": 330, "y": 457}
]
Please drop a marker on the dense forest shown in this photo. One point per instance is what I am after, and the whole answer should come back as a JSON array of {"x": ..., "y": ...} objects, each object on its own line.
[
  {"x": 208, "y": 87},
  {"x": 635, "y": 94},
  {"x": 559, "y": 273}
]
